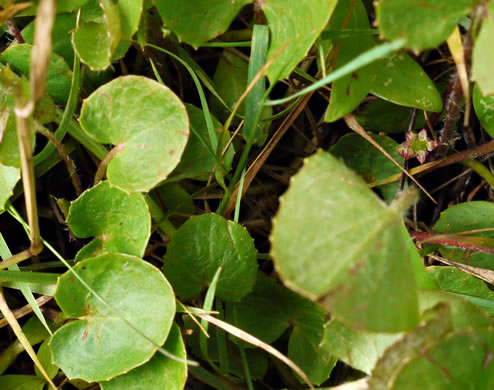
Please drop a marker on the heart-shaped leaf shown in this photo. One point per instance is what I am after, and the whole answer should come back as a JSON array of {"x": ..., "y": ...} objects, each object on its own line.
[
  {"x": 161, "y": 371},
  {"x": 196, "y": 22},
  {"x": 146, "y": 120},
  {"x": 203, "y": 244},
  {"x": 399, "y": 79},
  {"x": 100, "y": 344},
  {"x": 424, "y": 24},
  {"x": 352, "y": 251},
  {"x": 297, "y": 23},
  {"x": 59, "y": 75},
  {"x": 98, "y": 33},
  {"x": 120, "y": 222}
]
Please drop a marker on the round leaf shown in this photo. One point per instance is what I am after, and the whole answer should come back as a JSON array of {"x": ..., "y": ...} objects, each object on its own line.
[
  {"x": 424, "y": 24},
  {"x": 159, "y": 373},
  {"x": 196, "y": 22},
  {"x": 400, "y": 80},
  {"x": 120, "y": 222},
  {"x": 98, "y": 34},
  {"x": 100, "y": 345},
  {"x": 351, "y": 251},
  {"x": 298, "y": 23},
  {"x": 146, "y": 120},
  {"x": 202, "y": 245}
]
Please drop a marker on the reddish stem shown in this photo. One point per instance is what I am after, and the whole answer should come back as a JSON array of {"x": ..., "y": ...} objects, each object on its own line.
[{"x": 447, "y": 240}]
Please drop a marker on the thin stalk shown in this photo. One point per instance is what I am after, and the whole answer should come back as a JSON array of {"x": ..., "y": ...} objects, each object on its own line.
[
  {"x": 76, "y": 181},
  {"x": 28, "y": 178}
]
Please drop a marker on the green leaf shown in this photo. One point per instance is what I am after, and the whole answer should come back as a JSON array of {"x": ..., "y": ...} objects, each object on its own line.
[
  {"x": 297, "y": 23},
  {"x": 44, "y": 356},
  {"x": 353, "y": 253},
  {"x": 159, "y": 373},
  {"x": 146, "y": 120},
  {"x": 198, "y": 159},
  {"x": 196, "y": 22},
  {"x": 358, "y": 349},
  {"x": 424, "y": 24},
  {"x": 230, "y": 79},
  {"x": 175, "y": 198},
  {"x": 130, "y": 16},
  {"x": 400, "y": 80},
  {"x": 9, "y": 176},
  {"x": 98, "y": 34},
  {"x": 203, "y": 244},
  {"x": 58, "y": 78},
  {"x": 465, "y": 217},
  {"x": 361, "y": 156},
  {"x": 9, "y": 144},
  {"x": 484, "y": 108},
  {"x": 120, "y": 222},
  {"x": 61, "y": 35},
  {"x": 465, "y": 315},
  {"x": 483, "y": 57},
  {"x": 271, "y": 303},
  {"x": 349, "y": 91},
  {"x": 100, "y": 344},
  {"x": 466, "y": 286},
  {"x": 433, "y": 357},
  {"x": 35, "y": 332},
  {"x": 255, "y": 130},
  {"x": 380, "y": 116},
  {"x": 312, "y": 357},
  {"x": 21, "y": 382}
]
